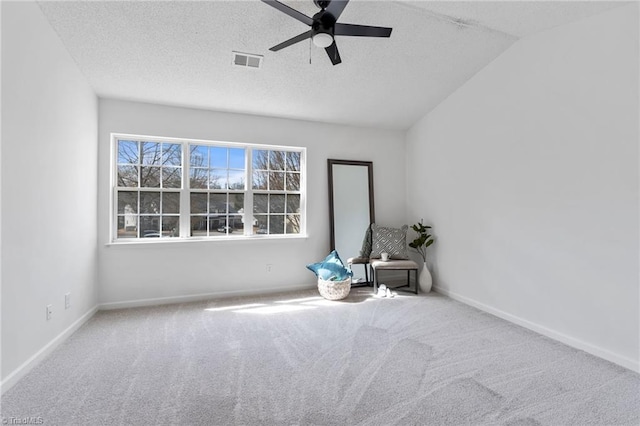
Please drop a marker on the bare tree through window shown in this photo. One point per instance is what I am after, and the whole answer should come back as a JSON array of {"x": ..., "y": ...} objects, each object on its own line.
[
  {"x": 147, "y": 174},
  {"x": 276, "y": 185},
  {"x": 153, "y": 176},
  {"x": 217, "y": 183}
]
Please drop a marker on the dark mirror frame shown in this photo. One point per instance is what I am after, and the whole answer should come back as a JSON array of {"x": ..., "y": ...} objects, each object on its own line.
[{"x": 369, "y": 165}]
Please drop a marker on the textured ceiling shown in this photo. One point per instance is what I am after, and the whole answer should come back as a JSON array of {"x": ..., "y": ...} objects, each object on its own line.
[{"x": 180, "y": 53}]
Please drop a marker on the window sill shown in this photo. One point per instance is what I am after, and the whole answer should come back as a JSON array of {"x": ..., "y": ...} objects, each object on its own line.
[{"x": 192, "y": 240}]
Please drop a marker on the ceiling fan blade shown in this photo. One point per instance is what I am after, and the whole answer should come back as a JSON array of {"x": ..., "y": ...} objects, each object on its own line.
[
  {"x": 336, "y": 7},
  {"x": 361, "y": 30},
  {"x": 293, "y": 40},
  {"x": 289, "y": 11},
  {"x": 333, "y": 53}
]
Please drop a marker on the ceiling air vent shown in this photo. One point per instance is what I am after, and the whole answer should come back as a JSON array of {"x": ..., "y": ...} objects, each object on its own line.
[{"x": 247, "y": 60}]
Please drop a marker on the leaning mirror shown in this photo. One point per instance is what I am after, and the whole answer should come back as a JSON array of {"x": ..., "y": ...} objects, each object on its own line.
[{"x": 351, "y": 207}]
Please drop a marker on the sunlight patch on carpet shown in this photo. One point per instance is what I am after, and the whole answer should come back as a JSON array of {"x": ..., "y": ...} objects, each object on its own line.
[
  {"x": 299, "y": 300},
  {"x": 235, "y": 307},
  {"x": 275, "y": 309}
]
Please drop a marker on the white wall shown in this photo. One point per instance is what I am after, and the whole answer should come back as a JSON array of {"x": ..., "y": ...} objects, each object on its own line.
[
  {"x": 529, "y": 173},
  {"x": 178, "y": 271},
  {"x": 49, "y": 176}
]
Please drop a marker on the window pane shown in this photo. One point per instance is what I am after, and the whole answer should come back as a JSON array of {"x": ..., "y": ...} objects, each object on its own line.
[
  {"x": 199, "y": 178},
  {"x": 198, "y": 203},
  {"x": 218, "y": 179},
  {"x": 261, "y": 225},
  {"x": 127, "y": 152},
  {"x": 150, "y": 153},
  {"x": 218, "y": 225},
  {"x": 260, "y": 159},
  {"x": 276, "y": 160},
  {"x": 236, "y": 179},
  {"x": 293, "y": 181},
  {"x": 260, "y": 203},
  {"x": 127, "y": 226},
  {"x": 236, "y": 158},
  {"x": 170, "y": 226},
  {"x": 276, "y": 203},
  {"x": 236, "y": 225},
  {"x": 149, "y": 226},
  {"x": 276, "y": 181},
  {"x": 171, "y": 202},
  {"x": 127, "y": 202},
  {"x": 276, "y": 224},
  {"x": 171, "y": 154},
  {"x": 218, "y": 203},
  {"x": 226, "y": 225},
  {"x": 293, "y": 161},
  {"x": 150, "y": 202},
  {"x": 236, "y": 203},
  {"x": 150, "y": 177},
  {"x": 199, "y": 156},
  {"x": 198, "y": 226},
  {"x": 218, "y": 157},
  {"x": 293, "y": 203},
  {"x": 260, "y": 180},
  {"x": 171, "y": 177},
  {"x": 293, "y": 224},
  {"x": 128, "y": 176}
]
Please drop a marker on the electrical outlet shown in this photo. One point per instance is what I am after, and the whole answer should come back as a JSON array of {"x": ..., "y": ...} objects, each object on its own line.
[
  {"x": 49, "y": 311},
  {"x": 67, "y": 300},
  {"x": 269, "y": 267}
]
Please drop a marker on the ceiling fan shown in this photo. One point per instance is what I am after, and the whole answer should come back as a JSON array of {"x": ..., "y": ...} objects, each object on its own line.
[{"x": 324, "y": 27}]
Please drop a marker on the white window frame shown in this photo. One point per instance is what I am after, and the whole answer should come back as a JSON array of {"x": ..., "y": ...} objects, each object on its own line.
[{"x": 185, "y": 190}]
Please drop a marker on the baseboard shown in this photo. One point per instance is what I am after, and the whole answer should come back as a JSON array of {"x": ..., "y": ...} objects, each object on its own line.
[
  {"x": 629, "y": 363},
  {"x": 198, "y": 297},
  {"x": 29, "y": 364}
]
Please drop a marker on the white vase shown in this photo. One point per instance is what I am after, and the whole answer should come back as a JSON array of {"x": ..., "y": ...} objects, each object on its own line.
[{"x": 424, "y": 279}]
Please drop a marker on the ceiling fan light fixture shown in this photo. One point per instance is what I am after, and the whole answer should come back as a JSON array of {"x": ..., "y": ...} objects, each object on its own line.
[
  {"x": 322, "y": 39},
  {"x": 324, "y": 26}
]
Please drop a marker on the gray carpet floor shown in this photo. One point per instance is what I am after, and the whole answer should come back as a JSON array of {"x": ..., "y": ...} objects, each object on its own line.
[{"x": 295, "y": 358}]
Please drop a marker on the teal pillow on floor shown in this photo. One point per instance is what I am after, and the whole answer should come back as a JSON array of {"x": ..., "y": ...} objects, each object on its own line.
[{"x": 331, "y": 268}]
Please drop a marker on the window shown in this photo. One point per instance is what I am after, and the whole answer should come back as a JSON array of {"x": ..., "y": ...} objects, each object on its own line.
[
  {"x": 217, "y": 177},
  {"x": 276, "y": 191},
  {"x": 149, "y": 182},
  {"x": 169, "y": 188}
]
